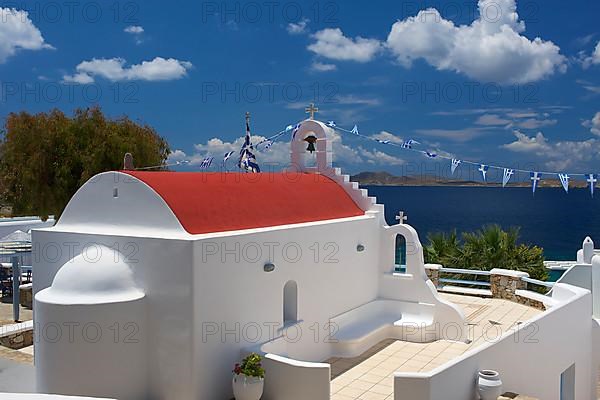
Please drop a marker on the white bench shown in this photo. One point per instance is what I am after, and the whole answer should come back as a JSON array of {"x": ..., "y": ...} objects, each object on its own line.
[{"x": 355, "y": 331}]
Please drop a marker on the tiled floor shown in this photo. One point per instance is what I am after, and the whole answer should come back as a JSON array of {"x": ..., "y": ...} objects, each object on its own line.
[{"x": 370, "y": 376}]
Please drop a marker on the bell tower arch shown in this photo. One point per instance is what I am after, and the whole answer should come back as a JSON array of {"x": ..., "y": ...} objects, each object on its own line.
[{"x": 322, "y": 146}]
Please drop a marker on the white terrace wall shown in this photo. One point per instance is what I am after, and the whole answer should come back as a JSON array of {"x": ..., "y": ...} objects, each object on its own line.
[
  {"x": 529, "y": 360},
  {"x": 163, "y": 269}
]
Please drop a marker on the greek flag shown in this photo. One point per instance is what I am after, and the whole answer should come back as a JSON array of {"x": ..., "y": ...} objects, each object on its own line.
[
  {"x": 247, "y": 160},
  {"x": 506, "y": 177},
  {"x": 455, "y": 164},
  {"x": 535, "y": 178},
  {"x": 296, "y": 128},
  {"x": 408, "y": 144},
  {"x": 591, "y": 179},
  {"x": 227, "y": 156},
  {"x": 206, "y": 163},
  {"x": 564, "y": 181},
  {"x": 430, "y": 155},
  {"x": 483, "y": 169}
]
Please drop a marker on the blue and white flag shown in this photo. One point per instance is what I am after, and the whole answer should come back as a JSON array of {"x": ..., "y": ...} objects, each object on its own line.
[
  {"x": 206, "y": 163},
  {"x": 507, "y": 174},
  {"x": 430, "y": 155},
  {"x": 355, "y": 130},
  {"x": 331, "y": 124},
  {"x": 564, "y": 181},
  {"x": 268, "y": 144},
  {"x": 296, "y": 128},
  {"x": 455, "y": 164},
  {"x": 483, "y": 169},
  {"x": 591, "y": 179},
  {"x": 383, "y": 141},
  {"x": 408, "y": 144},
  {"x": 227, "y": 156},
  {"x": 535, "y": 178},
  {"x": 289, "y": 128},
  {"x": 247, "y": 160}
]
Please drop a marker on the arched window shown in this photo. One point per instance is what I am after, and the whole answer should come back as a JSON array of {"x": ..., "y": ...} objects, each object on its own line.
[
  {"x": 290, "y": 302},
  {"x": 400, "y": 254}
]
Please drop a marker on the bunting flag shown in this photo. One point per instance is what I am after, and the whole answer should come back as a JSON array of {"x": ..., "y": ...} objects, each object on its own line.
[
  {"x": 408, "y": 144},
  {"x": 227, "y": 156},
  {"x": 483, "y": 169},
  {"x": 507, "y": 174},
  {"x": 289, "y": 128},
  {"x": 269, "y": 144},
  {"x": 331, "y": 124},
  {"x": 455, "y": 164},
  {"x": 296, "y": 128},
  {"x": 535, "y": 178},
  {"x": 383, "y": 141},
  {"x": 206, "y": 163},
  {"x": 564, "y": 181},
  {"x": 430, "y": 155},
  {"x": 591, "y": 179},
  {"x": 355, "y": 130},
  {"x": 247, "y": 160}
]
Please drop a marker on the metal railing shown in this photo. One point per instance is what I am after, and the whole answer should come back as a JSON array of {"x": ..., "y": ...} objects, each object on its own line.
[
  {"x": 460, "y": 271},
  {"x": 538, "y": 282}
]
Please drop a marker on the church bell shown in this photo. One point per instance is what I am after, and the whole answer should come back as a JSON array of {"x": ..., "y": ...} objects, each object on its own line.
[{"x": 311, "y": 143}]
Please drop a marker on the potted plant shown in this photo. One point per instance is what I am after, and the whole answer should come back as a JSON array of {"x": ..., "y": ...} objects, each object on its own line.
[{"x": 248, "y": 378}]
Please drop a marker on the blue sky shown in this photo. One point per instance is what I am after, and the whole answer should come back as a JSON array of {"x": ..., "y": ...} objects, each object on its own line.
[{"x": 515, "y": 84}]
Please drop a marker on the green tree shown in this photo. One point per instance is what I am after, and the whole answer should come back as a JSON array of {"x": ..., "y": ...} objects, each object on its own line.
[
  {"x": 46, "y": 157},
  {"x": 488, "y": 248}
]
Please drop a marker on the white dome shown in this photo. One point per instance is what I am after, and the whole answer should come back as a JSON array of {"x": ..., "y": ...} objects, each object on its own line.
[{"x": 98, "y": 275}]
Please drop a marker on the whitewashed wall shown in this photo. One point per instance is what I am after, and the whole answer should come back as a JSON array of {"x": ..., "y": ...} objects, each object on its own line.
[
  {"x": 529, "y": 360},
  {"x": 238, "y": 296}
]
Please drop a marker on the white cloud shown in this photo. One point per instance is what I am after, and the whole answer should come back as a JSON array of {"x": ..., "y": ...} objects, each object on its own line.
[
  {"x": 322, "y": 67},
  {"x": 557, "y": 155},
  {"x": 177, "y": 156},
  {"x": 114, "y": 69},
  {"x": 17, "y": 32},
  {"x": 134, "y": 29},
  {"x": 594, "y": 124},
  {"x": 298, "y": 27},
  {"x": 593, "y": 59},
  {"x": 491, "y": 49},
  {"x": 492, "y": 120},
  {"x": 456, "y": 135},
  {"x": 278, "y": 156},
  {"x": 384, "y": 135},
  {"x": 331, "y": 43}
]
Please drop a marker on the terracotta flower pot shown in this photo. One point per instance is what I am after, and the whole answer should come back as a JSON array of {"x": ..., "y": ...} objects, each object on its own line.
[{"x": 247, "y": 387}]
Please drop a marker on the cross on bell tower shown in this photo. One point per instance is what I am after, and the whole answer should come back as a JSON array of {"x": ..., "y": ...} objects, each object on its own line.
[
  {"x": 311, "y": 110},
  {"x": 401, "y": 217}
]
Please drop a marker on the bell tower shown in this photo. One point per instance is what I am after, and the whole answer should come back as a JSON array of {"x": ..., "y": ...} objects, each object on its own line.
[{"x": 311, "y": 136}]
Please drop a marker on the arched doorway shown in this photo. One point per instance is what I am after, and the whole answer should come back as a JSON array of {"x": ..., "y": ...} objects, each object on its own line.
[{"x": 290, "y": 303}]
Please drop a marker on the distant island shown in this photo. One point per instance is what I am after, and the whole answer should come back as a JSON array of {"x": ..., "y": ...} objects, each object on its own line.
[{"x": 386, "y": 179}]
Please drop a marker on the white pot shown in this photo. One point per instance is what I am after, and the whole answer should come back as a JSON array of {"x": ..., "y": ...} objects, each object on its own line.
[
  {"x": 489, "y": 384},
  {"x": 247, "y": 387}
]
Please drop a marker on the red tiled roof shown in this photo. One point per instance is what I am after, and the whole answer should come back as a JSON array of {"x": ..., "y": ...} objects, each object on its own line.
[{"x": 207, "y": 202}]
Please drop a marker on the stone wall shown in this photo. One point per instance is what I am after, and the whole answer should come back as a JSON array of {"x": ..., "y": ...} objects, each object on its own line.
[
  {"x": 26, "y": 295},
  {"x": 433, "y": 273},
  {"x": 505, "y": 283}
]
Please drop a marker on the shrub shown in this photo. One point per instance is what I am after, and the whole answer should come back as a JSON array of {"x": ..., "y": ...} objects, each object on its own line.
[
  {"x": 250, "y": 366},
  {"x": 488, "y": 248}
]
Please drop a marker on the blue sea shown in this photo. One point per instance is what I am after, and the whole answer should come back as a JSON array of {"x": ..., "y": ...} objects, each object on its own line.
[{"x": 552, "y": 219}]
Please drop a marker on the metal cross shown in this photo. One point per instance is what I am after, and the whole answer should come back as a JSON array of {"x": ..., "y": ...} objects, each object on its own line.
[
  {"x": 401, "y": 217},
  {"x": 311, "y": 110}
]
